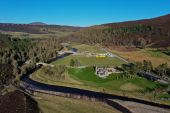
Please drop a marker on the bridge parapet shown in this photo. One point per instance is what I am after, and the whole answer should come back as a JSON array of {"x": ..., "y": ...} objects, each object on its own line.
[{"x": 44, "y": 64}]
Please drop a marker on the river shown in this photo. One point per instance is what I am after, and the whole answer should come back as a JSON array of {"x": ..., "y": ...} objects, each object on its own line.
[{"x": 69, "y": 90}]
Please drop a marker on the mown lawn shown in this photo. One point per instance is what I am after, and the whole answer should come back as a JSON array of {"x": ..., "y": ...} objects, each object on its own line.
[
  {"x": 90, "y": 61},
  {"x": 88, "y": 74},
  {"x": 114, "y": 81}
]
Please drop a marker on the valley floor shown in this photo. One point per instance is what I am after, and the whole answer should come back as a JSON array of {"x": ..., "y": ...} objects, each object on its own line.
[
  {"x": 84, "y": 78},
  {"x": 55, "y": 104}
]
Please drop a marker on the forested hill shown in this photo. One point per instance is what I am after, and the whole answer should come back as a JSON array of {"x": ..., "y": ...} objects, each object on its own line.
[
  {"x": 37, "y": 29},
  {"x": 151, "y": 32},
  {"x": 19, "y": 56},
  {"x": 158, "y": 21}
]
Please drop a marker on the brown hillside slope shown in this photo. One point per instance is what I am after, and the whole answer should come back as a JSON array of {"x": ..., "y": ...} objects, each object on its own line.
[
  {"x": 17, "y": 102},
  {"x": 158, "y": 21},
  {"x": 149, "y": 32}
]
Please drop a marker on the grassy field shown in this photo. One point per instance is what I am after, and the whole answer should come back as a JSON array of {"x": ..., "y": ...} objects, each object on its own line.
[
  {"x": 114, "y": 81},
  {"x": 68, "y": 81},
  {"x": 156, "y": 57},
  {"x": 28, "y": 35},
  {"x": 136, "y": 87},
  {"x": 54, "y": 104},
  {"x": 86, "y": 79},
  {"x": 90, "y": 61}
]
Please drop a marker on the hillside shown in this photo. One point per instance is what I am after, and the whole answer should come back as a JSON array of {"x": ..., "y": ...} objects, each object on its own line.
[
  {"x": 38, "y": 23},
  {"x": 151, "y": 32},
  {"x": 158, "y": 21},
  {"x": 17, "y": 102},
  {"x": 35, "y": 28}
]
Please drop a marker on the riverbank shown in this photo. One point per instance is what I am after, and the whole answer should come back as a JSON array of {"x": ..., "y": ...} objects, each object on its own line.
[{"x": 33, "y": 86}]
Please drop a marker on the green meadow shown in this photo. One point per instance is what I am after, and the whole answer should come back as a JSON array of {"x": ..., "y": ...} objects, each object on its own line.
[{"x": 90, "y": 61}]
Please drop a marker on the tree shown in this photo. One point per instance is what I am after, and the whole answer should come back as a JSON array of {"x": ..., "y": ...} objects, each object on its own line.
[
  {"x": 0, "y": 59},
  {"x": 23, "y": 69},
  {"x": 72, "y": 63},
  {"x": 6, "y": 74},
  {"x": 139, "y": 65},
  {"x": 77, "y": 63},
  {"x": 133, "y": 69},
  {"x": 168, "y": 72},
  {"x": 4, "y": 58},
  {"x": 126, "y": 70},
  {"x": 162, "y": 70},
  {"x": 147, "y": 66},
  {"x": 15, "y": 67}
]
